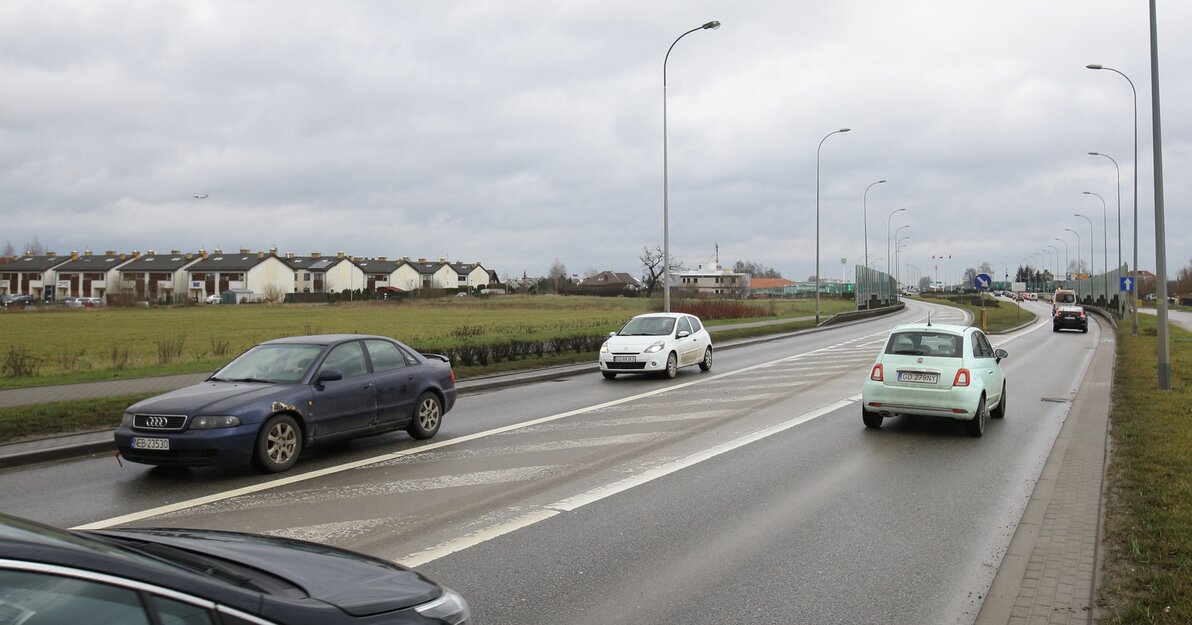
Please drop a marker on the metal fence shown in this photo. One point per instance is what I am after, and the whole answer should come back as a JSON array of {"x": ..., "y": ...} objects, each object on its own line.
[
  {"x": 875, "y": 289},
  {"x": 1101, "y": 290}
]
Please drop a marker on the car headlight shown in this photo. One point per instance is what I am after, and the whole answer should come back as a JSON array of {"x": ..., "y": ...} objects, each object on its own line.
[
  {"x": 126, "y": 419},
  {"x": 604, "y": 347},
  {"x": 210, "y": 423},
  {"x": 449, "y": 608},
  {"x": 655, "y": 348}
]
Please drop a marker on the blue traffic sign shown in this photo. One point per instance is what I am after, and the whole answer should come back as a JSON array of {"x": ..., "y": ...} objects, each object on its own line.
[
  {"x": 1126, "y": 284},
  {"x": 982, "y": 282}
]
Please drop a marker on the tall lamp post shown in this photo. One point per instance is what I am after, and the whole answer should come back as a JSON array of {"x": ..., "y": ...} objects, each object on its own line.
[
  {"x": 894, "y": 258},
  {"x": 1047, "y": 264},
  {"x": 1077, "y": 247},
  {"x": 665, "y": 175},
  {"x": 1092, "y": 256},
  {"x": 1057, "y": 261},
  {"x": 1065, "y": 259},
  {"x": 1133, "y": 291},
  {"x": 865, "y": 218},
  {"x": 1119, "y": 203},
  {"x": 897, "y": 263},
  {"x": 1104, "y": 243},
  {"x": 817, "y": 220},
  {"x": 888, "y": 266}
]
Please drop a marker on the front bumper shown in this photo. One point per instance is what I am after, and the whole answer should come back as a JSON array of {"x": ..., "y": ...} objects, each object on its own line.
[
  {"x": 640, "y": 362},
  {"x": 220, "y": 446}
]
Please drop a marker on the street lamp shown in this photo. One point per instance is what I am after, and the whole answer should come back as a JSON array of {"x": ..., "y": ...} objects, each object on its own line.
[
  {"x": 1057, "y": 260},
  {"x": 665, "y": 175},
  {"x": 894, "y": 258},
  {"x": 1065, "y": 259},
  {"x": 1092, "y": 256},
  {"x": 817, "y": 220},
  {"x": 1104, "y": 244},
  {"x": 865, "y": 219},
  {"x": 1133, "y": 291},
  {"x": 897, "y": 264},
  {"x": 888, "y": 266},
  {"x": 1119, "y": 203},
  {"x": 1077, "y": 247}
]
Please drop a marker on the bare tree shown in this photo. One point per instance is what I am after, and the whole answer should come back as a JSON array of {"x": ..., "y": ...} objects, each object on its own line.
[
  {"x": 652, "y": 272},
  {"x": 9, "y": 250},
  {"x": 557, "y": 274},
  {"x": 34, "y": 247},
  {"x": 756, "y": 270}
]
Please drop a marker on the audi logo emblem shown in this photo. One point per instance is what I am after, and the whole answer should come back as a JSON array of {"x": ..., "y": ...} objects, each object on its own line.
[{"x": 156, "y": 422}]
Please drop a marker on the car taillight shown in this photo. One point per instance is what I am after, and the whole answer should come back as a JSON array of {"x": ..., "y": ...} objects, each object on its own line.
[
  {"x": 1082, "y": 314},
  {"x": 1057, "y": 313},
  {"x": 962, "y": 378},
  {"x": 452, "y": 375},
  {"x": 876, "y": 373}
]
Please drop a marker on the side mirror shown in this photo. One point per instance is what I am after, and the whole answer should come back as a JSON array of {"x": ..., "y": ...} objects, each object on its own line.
[
  {"x": 329, "y": 375},
  {"x": 683, "y": 334},
  {"x": 612, "y": 333},
  {"x": 1000, "y": 354}
]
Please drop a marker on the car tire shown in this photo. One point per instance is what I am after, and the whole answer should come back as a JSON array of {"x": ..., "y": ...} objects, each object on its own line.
[
  {"x": 278, "y": 444},
  {"x": 428, "y": 416},
  {"x": 1055, "y": 328},
  {"x": 672, "y": 366},
  {"x": 976, "y": 426},
  {"x": 706, "y": 363},
  {"x": 609, "y": 375},
  {"x": 1084, "y": 330},
  {"x": 871, "y": 419},
  {"x": 1000, "y": 411}
]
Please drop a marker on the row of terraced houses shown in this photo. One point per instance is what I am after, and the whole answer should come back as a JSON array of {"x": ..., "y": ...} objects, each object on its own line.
[{"x": 180, "y": 276}]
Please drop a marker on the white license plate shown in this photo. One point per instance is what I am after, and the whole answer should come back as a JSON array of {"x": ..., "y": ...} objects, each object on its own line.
[
  {"x": 624, "y": 358},
  {"x": 917, "y": 377},
  {"x": 151, "y": 443}
]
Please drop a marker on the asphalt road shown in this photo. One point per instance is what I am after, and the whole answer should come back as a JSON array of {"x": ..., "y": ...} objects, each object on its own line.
[{"x": 749, "y": 494}]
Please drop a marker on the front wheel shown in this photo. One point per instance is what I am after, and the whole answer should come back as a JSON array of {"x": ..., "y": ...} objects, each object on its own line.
[
  {"x": 706, "y": 363},
  {"x": 672, "y": 366},
  {"x": 278, "y": 444},
  {"x": 976, "y": 426},
  {"x": 608, "y": 375},
  {"x": 428, "y": 416}
]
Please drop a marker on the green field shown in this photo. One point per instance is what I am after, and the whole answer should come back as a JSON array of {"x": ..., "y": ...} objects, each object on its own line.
[{"x": 57, "y": 346}]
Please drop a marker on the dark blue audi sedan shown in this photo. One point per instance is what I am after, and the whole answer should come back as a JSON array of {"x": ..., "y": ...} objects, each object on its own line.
[{"x": 284, "y": 395}]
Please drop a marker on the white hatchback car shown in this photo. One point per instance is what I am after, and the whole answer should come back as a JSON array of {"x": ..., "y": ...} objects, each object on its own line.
[
  {"x": 657, "y": 342},
  {"x": 937, "y": 371}
]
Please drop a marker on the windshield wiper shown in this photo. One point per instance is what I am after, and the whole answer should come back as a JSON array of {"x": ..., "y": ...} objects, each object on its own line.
[{"x": 249, "y": 380}]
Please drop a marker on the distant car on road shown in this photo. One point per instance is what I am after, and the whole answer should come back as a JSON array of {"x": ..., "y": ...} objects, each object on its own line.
[
  {"x": 72, "y": 302},
  {"x": 936, "y": 370},
  {"x": 287, "y": 394},
  {"x": 657, "y": 343},
  {"x": 17, "y": 301},
  {"x": 1070, "y": 316},
  {"x": 174, "y": 576}
]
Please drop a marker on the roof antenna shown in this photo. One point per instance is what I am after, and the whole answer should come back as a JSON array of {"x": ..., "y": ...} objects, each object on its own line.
[{"x": 929, "y": 318}]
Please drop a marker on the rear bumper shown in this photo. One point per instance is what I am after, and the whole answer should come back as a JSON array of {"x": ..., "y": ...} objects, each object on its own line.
[{"x": 958, "y": 403}]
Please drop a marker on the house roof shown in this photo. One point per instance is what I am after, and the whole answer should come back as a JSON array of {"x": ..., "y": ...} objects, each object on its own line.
[
  {"x": 160, "y": 262},
  {"x": 769, "y": 283},
  {"x": 93, "y": 263},
  {"x": 464, "y": 269},
  {"x": 610, "y": 279},
  {"x": 230, "y": 262},
  {"x": 30, "y": 262},
  {"x": 311, "y": 263},
  {"x": 378, "y": 266}
]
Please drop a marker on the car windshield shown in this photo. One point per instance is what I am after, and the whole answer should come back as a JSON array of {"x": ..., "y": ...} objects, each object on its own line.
[
  {"x": 648, "y": 326},
  {"x": 270, "y": 363},
  {"x": 924, "y": 343}
]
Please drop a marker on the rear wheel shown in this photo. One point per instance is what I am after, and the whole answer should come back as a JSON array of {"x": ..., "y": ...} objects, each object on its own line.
[
  {"x": 608, "y": 375},
  {"x": 278, "y": 444},
  {"x": 706, "y": 363},
  {"x": 428, "y": 416},
  {"x": 872, "y": 419},
  {"x": 976, "y": 426},
  {"x": 1000, "y": 411},
  {"x": 672, "y": 366}
]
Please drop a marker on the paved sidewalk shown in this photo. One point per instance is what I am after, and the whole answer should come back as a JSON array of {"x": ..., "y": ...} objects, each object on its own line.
[{"x": 1048, "y": 574}]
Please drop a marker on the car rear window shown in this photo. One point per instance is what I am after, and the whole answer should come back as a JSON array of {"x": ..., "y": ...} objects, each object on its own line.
[{"x": 925, "y": 343}]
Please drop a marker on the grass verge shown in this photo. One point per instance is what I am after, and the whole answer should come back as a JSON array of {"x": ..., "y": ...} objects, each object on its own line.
[
  {"x": 64, "y": 417},
  {"x": 1148, "y": 516}
]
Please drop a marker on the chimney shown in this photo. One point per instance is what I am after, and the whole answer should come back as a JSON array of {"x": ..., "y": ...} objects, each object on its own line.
[
  {"x": 422, "y": 260},
  {"x": 260, "y": 254},
  {"x": 178, "y": 252},
  {"x": 217, "y": 251},
  {"x": 316, "y": 255},
  {"x": 339, "y": 254},
  {"x": 442, "y": 260},
  {"x": 245, "y": 250},
  {"x": 203, "y": 253},
  {"x": 86, "y": 252},
  {"x": 110, "y": 253},
  {"x": 74, "y": 254},
  {"x": 289, "y": 254},
  {"x": 382, "y": 258},
  {"x": 50, "y": 254}
]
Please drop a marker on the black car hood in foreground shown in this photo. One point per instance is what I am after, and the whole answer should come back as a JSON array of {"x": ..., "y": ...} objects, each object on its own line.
[
  {"x": 359, "y": 585},
  {"x": 213, "y": 397}
]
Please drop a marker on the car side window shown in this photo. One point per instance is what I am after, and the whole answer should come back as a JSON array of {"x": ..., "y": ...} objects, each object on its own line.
[
  {"x": 348, "y": 359},
  {"x": 695, "y": 324},
  {"x": 170, "y": 612},
  {"x": 385, "y": 356},
  {"x": 986, "y": 348},
  {"x": 684, "y": 326},
  {"x": 45, "y": 598}
]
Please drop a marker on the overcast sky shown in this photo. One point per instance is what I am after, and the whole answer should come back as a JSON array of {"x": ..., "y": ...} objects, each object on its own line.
[{"x": 518, "y": 132}]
